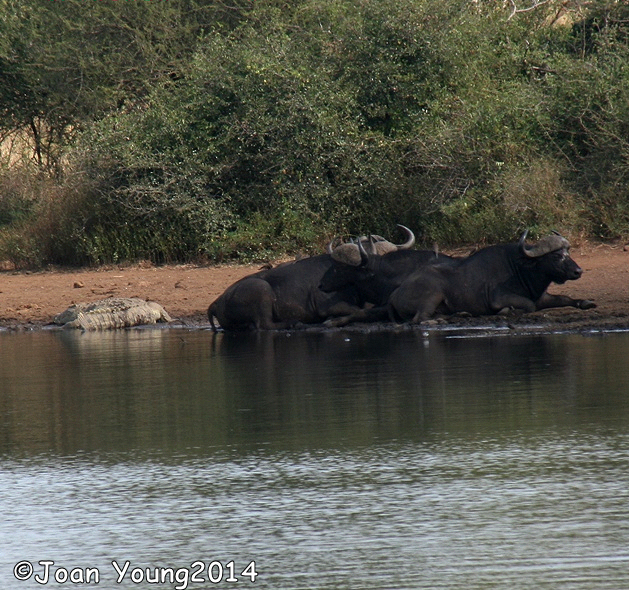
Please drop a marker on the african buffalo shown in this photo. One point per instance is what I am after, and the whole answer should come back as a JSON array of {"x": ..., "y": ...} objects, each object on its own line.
[
  {"x": 288, "y": 294},
  {"x": 493, "y": 280},
  {"x": 281, "y": 297},
  {"x": 375, "y": 278}
]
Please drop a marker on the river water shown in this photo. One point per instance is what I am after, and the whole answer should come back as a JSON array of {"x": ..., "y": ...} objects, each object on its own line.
[{"x": 165, "y": 458}]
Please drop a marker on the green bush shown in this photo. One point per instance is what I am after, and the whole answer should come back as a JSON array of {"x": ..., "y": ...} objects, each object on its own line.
[{"x": 274, "y": 128}]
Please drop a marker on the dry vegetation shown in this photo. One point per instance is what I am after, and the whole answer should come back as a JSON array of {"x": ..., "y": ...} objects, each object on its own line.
[{"x": 193, "y": 131}]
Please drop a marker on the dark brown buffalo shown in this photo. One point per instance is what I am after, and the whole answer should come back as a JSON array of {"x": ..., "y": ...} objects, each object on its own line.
[
  {"x": 493, "y": 280},
  {"x": 289, "y": 294},
  {"x": 375, "y": 277},
  {"x": 281, "y": 297}
]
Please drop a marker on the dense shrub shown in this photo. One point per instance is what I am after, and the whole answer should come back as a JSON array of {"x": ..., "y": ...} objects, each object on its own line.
[{"x": 275, "y": 126}]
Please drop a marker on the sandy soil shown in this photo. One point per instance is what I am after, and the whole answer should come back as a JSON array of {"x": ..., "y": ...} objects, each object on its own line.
[{"x": 32, "y": 299}]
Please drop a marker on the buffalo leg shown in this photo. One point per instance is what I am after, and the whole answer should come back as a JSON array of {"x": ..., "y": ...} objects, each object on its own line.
[
  {"x": 501, "y": 301},
  {"x": 413, "y": 305},
  {"x": 372, "y": 314},
  {"x": 547, "y": 300}
]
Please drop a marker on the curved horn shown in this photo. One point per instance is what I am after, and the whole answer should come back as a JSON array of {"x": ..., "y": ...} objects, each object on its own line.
[
  {"x": 522, "y": 243},
  {"x": 364, "y": 257},
  {"x": 333, "y": 244},
  {"x": 377, "y": 244},
  {"x": 546, "y": 245},
  {"x": 410, "y": 238},
  {"x": 374, "y": 242}
]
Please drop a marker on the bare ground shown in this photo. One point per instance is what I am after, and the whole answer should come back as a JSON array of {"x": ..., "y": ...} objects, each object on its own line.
[{"x": 31, "y": 299}]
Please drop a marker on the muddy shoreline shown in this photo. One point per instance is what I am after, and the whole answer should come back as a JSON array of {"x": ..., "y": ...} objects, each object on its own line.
[
  {"x": 547, "y": 322},
  {"x": 30, "y": 300}
]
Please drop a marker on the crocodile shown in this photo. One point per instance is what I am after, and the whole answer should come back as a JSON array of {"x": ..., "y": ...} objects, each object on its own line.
[{"x": 112, "y": 313}]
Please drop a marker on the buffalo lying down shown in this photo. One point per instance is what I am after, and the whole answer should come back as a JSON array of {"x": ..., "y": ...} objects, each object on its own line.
[
  {"x": 493, "y": 280},
  {"x": 375, "y": 278},
  {"x": 289, "y": 294},
  {"x": 281, "y": 297}
]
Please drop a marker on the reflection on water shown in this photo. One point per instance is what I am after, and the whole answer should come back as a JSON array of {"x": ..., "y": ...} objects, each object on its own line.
[{"x": 332, "y": 460}]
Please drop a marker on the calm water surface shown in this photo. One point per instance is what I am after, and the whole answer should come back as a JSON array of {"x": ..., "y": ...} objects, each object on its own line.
[{"x": 314, "y": 460}]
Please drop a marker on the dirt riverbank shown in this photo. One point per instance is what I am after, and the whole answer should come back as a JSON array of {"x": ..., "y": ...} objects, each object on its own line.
[{"x": 30, "y": 300}]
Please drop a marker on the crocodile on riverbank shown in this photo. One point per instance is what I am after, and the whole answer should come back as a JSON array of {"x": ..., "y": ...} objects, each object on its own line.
[{"x": 112, "y": 313}]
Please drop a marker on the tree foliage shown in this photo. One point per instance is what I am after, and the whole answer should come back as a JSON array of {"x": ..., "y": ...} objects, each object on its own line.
[{"x": 189, "y": 128}]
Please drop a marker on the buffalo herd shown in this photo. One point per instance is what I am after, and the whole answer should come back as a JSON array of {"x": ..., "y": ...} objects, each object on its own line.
[{"x": 371, "y": 279}]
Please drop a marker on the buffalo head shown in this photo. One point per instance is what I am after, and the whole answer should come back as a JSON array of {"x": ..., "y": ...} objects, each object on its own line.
[
  {"x": 551, "y": 256},
  {"x": 375, "y": 275}
]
